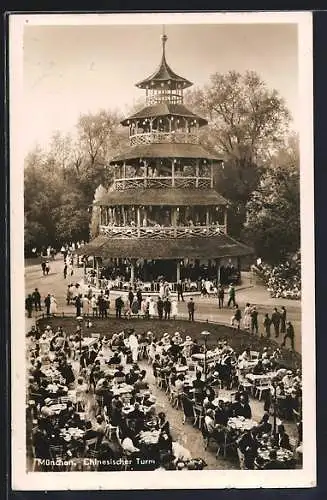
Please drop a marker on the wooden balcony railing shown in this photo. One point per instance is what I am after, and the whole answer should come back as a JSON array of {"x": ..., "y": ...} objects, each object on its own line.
[
  {"x": 131, "y": 232},
  {"x": 162, "y": 182},
  {"x": 164, "y": 137}
]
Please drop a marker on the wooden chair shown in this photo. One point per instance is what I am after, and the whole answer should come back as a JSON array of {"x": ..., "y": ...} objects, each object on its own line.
[
  {"x": 198, "y": 415},
  {"x": 262, "y": 386}
]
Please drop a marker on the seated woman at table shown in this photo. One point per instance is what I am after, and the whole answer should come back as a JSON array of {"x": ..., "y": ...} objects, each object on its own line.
[
  {"x": 221, "y": 414},
  {"x": 258, "y": 369},
  {"x": 165, "y": 440},
  {"x": 67, "y": 373},
  {"x": 37, "y": 372},
  {"x": 91, "y": 433},
  {"x": 131, "y": 377},
  {"x": 242, "y": 408},
  {"x": 264, "y": 426},
  {"x": 212, "y": 428}
]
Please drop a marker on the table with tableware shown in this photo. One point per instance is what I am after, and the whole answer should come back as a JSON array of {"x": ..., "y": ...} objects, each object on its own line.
[
  {"x": 241, "y": 424},
  {"x": 285, "y": 458}
]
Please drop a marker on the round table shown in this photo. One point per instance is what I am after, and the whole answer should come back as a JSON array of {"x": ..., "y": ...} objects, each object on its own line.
[
  {"x": 285, "y": 457},
  {"x": 241, "y": 424}
]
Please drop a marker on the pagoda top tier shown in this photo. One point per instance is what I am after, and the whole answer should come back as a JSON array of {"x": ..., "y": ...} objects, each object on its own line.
[{"x": 164, "y": 78}]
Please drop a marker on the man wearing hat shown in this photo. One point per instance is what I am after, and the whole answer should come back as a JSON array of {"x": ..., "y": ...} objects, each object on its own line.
[
  {"x": 133, "y": 345},
  {"x": 289, "y": 335}
]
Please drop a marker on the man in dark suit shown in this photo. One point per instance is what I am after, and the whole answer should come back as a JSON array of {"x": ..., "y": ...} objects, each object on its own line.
[
  {"x": 190, "y": 308},
  {"x": 119, "y": 305},
  {"x": 36, "y": 299},
  {"x": 242, "y": 408},
  {"x": 160, "y": 307},
  {"x": 47, "y": 302},
  {"x": 167, "y": 308},
  {"x": 179, "y": 291},
  {"x": 275, "y": 319}
]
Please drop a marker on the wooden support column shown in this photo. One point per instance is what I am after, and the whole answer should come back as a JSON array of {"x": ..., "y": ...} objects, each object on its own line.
[
  {"x": 97, "y": 273},
  {"x": 197, "y": 173},
  {"x": 225, "y": 219},
  {"x": 173, "y": 173},
  {"x": 124, "y": 173},
  {"x": 178, "y": 271},
  {"x": 138, "y": 222},
  {"x": 124, "y": 215},
  {"x": 211, "y": 175},
  {"x": 207, "y": 217},
  {"x": 218, "y": 270},
  {"x": 132, "y": 271}
]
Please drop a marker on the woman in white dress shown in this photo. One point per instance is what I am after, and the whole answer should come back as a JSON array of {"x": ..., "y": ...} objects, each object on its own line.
[
  {"x": 53, "y": 305},
  {"x": 247, "y": 317},
  {"x": 174, "y": 308},
  {"x": 152, "y": 308}
]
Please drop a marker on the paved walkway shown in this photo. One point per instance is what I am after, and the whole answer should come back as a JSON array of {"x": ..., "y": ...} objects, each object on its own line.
[{"x": 206, "y": 308}]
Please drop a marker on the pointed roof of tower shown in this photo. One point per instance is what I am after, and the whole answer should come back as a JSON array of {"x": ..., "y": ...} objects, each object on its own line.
[{"x": 164, "y": 75}]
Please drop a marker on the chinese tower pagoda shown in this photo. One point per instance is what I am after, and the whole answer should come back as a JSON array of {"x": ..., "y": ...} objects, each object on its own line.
[{"x": 162, "y": 219}]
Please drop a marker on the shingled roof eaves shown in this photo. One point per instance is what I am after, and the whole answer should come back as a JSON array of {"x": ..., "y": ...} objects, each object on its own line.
[
  {"x": 165, "y": 196},
  {"x": 164, "y": 73},
  {"x": 193, "y": 248},
  {"x": 166, "y": 150},
  {"x": 164, "y": 109}
]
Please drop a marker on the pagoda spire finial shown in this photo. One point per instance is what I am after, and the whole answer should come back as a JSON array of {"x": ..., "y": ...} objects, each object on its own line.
[{"x": 164, "y": 39}]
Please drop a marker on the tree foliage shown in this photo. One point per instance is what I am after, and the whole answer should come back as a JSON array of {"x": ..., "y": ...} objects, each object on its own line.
[{"x": 273, "y": 211}]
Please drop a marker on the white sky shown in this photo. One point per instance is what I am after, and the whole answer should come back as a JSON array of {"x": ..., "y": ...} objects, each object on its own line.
[{"x": 70, "y": 70}]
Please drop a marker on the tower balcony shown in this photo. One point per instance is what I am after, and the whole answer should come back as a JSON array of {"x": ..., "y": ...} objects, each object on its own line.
[
  {"x": 182, "y": 182},
  {"x": 156, "y": 137},
  {"x": 162, "y": 232}
]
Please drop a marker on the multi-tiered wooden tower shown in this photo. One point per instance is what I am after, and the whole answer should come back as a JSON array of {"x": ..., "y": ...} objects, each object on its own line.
[{"x": 162, "y": 216}]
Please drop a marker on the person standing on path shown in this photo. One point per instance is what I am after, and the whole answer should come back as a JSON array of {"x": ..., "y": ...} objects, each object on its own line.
[
  {"x": 47, "y": 267},
  {"x": 130, "y": 297},
  {"x": 179, "y": 289},
  {"x": 221, "y": 296},
  {"x": 36, "y": 299},
  {"x": 247, "y": 316},
  {"x": 29, "y": 305},
  {"x": 267, "y": 325},
  {"x": 47, "y": 303},
  {"x": 53, "y": 305},
  {"x": 94, "y": 306},
  {"x": 139, "y": 297},
  {"x": 43, "y": 265},
  {"x": 290, "y": 334},
  {"x": 65, "y": 271},
  {"x": 254, "y": 320},
  {"x": 275, "y": 319},
  {"x": 236, "y": 318},
  {"x": 167, "y": 308},
  {"x": 118, "y": 306},
  {"x": 160, "y": 307},
  {"x": 191, "y": 309},
  {"x": 283, "y": 315},
  {"x": 78, "y": 305},
  {"x": 231, "y": 295}
]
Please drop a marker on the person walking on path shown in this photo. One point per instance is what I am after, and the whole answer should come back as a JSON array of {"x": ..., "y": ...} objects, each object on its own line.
[
  {"x": 254, "y": 320},
  {"x": 47, "y": 303},
  {"x": 43, "y": 266},
  {"x": 290, "y": 334},
  {"x": 65, "y": 270},
  {"x": 29, "y": 305},
  {"x": 236, "y": 318},
  {"x": 191, "y": 309},
  {"x": 36, "y": 299},
  {"x": 231, "y": 296},
  {"x": 180, "y": 291},
  {"x": 139, "y": 297},
  {"x": 47, "y": 267},
  {"x": 275, "y": 319},
  {"x": 94, "y": 306},
  {"x": 221, "y": 296},
  {"x": 174, "y": 308},
  {"x": 283, "y": 315},
  {"x": 267, "y": 325},
  {"x": 53, "y": 305}
]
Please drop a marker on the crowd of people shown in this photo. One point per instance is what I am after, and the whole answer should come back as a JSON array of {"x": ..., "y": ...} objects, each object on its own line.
[
  {"x": 91, "y": 401},
  {"x": 283, "y": 280}
]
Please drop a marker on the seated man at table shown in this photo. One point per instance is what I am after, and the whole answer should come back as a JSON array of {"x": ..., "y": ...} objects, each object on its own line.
[
  {"x": 248, "y": 445},
  {"x": 282, "y": 438},
  {"x": 242, "y": 408},
  {"x": 264, "y": 426},
  {"x": 174, "y": 350},
  {"x": 141, "y": 384},
  {"x": 221, "y": 414},
  {"x": 91, "y": 433},
  {"x": 246, "y": 355},
  {"x": 258, "y": 368},
  {"x": 120, "y": 375},
  {"x": 273, "y": 462}
]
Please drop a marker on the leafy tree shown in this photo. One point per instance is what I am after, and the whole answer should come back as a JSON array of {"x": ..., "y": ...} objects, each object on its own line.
[{"x": 273, "y": 211}]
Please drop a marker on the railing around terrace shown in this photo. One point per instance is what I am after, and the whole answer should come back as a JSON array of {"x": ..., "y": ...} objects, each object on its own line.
[
  {"x": 130, "y": 232},
  {"x": 156, "y": 137},
  {"x": 162, "y": 182}
]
